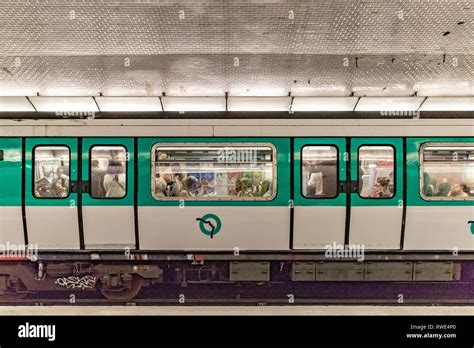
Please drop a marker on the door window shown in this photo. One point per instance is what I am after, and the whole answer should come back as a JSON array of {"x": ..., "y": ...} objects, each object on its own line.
[
  {"x": 51, "y": 172},
  {"x": 108, "y": 172},
  {"x": 376, "y": 177},
  {"x": 319, "y": 171}
]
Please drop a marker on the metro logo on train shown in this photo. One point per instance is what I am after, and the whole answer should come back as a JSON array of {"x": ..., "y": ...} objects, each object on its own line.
[
  {"x": 471, "y": 223},
  {"x": 210, "y": 224}
]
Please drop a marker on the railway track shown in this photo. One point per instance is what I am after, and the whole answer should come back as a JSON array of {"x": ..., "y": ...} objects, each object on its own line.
[
  {"x": 254, "y": 295},
  {"x": 231, "y": 302}
]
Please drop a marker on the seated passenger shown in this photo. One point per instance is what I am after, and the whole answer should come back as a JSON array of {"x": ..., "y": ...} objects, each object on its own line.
[
  {"x": 59, "y": 191},
  {"x": 60, "y": 172},
  {"x": 172, "y": 187},
  {"x": 115, "y": 180},
  {"x": 381, "y": 189},
  {"x": 160, "y": 187},
  {"x": 243, "y": 188},
  {"x": 264, "y": 189},
  {"x": 178, "y": 178},
  {"x": 191, "y": 187},
  {"x": 428, "y": 185},
  {"x": 41, "y": 187},
  {"x": 391, "y": 183},
  {"x": 457, "y": 191},
  {"x": 443, "y": 188}
]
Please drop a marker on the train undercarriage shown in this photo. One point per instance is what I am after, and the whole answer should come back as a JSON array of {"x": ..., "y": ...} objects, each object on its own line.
[{"x": 286, "y": 278}]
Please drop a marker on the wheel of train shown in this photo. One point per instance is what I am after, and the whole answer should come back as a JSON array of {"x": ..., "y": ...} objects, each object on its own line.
[
  {"x": 120, "y": 287},
  {"x": 11, "y": 288}
]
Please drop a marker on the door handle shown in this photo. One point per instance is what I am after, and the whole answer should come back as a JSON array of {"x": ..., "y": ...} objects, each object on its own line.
[
  {"x": 343, "y": 186},
  {"x": 76, "y": 188},
  {"x": 354, "y": 186}
]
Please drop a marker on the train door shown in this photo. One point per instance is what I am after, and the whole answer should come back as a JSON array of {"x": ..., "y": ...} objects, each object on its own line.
[
  {"x": 376, "y": 192},
  {"x": 108, "y": 194},
  {"x": 51, "y": 200},
  {"x": 319, "y": 199}
]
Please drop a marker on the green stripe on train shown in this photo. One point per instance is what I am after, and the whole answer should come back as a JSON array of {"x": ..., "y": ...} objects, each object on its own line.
[{"x": 10, "y": 172}]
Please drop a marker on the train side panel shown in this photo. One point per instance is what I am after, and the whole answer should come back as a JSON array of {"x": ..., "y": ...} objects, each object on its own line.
[
  {"x": 213, "y": 224},
  {"x": 11, "y": 222},
  {"x": 438, "y": 220}
]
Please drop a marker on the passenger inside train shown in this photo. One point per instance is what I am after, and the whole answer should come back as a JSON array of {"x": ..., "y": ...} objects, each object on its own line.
[
  {"x": 108, "y": 172},
  {"x": 447, "y": 173},
  {"x": 51, "y": 172},
  {"x": 203, "y": 173},
  {"x": 319, "y": 171}
]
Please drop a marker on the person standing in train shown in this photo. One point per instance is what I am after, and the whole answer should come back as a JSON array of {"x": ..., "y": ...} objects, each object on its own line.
[
  {"x": 114, "y": 181},
  {"x": 97, "y": 180}
]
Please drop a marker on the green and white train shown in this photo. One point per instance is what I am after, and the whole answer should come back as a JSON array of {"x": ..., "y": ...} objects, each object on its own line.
[{"x": 242, "y": 192}]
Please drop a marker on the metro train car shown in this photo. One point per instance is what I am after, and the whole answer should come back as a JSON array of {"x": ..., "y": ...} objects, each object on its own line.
[{"x": 117, "y": 205}]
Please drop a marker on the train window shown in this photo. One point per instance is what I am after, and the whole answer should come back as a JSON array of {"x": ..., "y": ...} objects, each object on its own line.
[
  {"x": 376, "y": 171},
  {"x": 108, "y": 172},
  {"x": 1, "y": 155},
  {"x": 447, "y": 171},
  {"x": 51, "y": 172},
  {"x": 319, "y": 171},
  {"x": 214, "y": 172}
]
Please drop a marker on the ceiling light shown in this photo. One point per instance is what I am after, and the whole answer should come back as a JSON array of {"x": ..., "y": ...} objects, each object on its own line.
[
  {"x": 259, "y": 103},
  {"x": 324, "y": 104},
  {"x": 448, "y": 104},
  {"x": 15, "y": 104},
  {"x": 64, "y": 104},
  {"x": 389, "y": 103},
  {"x": 183, "y": 104},
  {"x": 128, "y": 104}
]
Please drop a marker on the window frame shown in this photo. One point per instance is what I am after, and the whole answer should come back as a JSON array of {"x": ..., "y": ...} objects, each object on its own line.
[
  {"x": 33, "y": 166},
  {"x": 90, "y": 171},
  {"x": 337, "y": 171},
  {"x": 214, "y": 199},
  {"x": 422, "y": 167},
  {"x": 395, "y": 182}
]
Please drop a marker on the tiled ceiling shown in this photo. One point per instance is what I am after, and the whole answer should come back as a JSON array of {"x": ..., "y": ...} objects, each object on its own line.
[{"x": 252, "y": 47}]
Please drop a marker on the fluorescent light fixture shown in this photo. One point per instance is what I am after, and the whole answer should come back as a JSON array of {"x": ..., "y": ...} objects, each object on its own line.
[
  {"x": 12, "y": 104},
  {"x": 389, "y": 103},
  {"x": 128, "y": 104},
  {"x": 259, "y": 103},
  {"x": 64, "y": 104},
  {"x": 444, "y": 88},
  {"x": 448, "y": 104},
  {"x": 183, "y": 104},
  {"x": 324, "y": 104}
]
